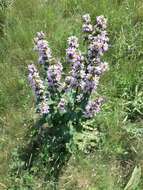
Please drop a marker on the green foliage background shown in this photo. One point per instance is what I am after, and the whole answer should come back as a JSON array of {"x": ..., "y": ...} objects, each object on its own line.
[{"x": 121, "y": 120}]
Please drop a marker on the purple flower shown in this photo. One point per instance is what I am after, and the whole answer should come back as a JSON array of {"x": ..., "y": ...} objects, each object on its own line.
[
  {"x": 67, "y": 80},
  {"x": 98, "y": 46},
  {"x": 39, "y": 89},
  {"x": 40, "y": 35},
  {"x": 75, "y": 57},
  {"x": 91, "y": 69},
  {"x": 89, "y": 83},
  {"x": 41, "y": 45},
  {"x": 71, "y": 53},
  {"x": 74, "y": 82},
  {"x": 54, "y": 73},
  {"x": 62, "y": 105},
  {"x": 86, "y": 18},
  {"x": 84, "y": 76},
  {"x": 71, "y": 82},
  {"x": 100, "y": 69},
  {"x": 35, "y": 81},
  {"x": 101, "y": 22},
  {"x": 79, "y": 97},
  {"x": 44, "y": 108},
  {"x": 92, "y": 108},
  {"x": 73, "y": 42},
  {"x": 87, "y": 28},
  {"x": 76, "y": 68}
]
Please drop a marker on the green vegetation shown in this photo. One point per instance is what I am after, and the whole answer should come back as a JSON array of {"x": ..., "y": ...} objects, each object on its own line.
[{"x": 118, "y": 148}]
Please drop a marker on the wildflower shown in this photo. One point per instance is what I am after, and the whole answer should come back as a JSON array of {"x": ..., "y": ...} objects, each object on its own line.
[
  {"x": 72, "y": 52},
  {"x": 98, "y": 40},
  {"x": 84, "y": 76},
  {"x": 92, "y": 108},
  {"x": 97, "y": 47},
  {"x": 89, "y": 83},
  {"x": 101, "y": 68},
  {"x": 67, "y": 80},
  {"x": 35, "y": 81},
  {"x": 101, "y": 22},
  {"x": 54, "y": 73},
  {"x": 73, "y": 42},
  {"x": 87, "y": 27},
  {"x": 62, "y": 105},
  {"x": 77, "y": 66},
  {"x": 41, "y": 45},
  {"x": 75, "y": 57},
  {"x": 79, "y": 98},
  {"x": 44, "y": 107},
  {"x": 40, "y": 35},
  {"x": 86, "y": 18}
]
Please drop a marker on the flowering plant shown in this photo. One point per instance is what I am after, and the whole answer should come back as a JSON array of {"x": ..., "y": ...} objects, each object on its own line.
[{"x": 66, "y": 102}]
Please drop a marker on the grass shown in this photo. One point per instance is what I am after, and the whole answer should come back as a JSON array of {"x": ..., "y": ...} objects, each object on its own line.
[{"x": 110, "y": 167}]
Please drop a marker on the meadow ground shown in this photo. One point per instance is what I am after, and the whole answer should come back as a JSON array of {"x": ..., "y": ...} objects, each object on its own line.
[{"x": 121, "y": 119}]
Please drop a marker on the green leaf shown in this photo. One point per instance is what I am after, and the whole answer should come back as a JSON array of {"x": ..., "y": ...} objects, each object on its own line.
[{"x": 135, "y": 179}]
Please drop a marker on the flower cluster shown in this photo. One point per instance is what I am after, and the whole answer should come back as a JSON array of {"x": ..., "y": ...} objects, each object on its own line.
[
  {"x": 74, "y": 57},
  {"x": 35, "y": 82},
  {"x": 87, "y": 26},
  {"x": 74, "y": 92},
  {"x": 101, "y": 22},
  {"x": 97, "y": 46},
  {"x": 93, "y": 107},
  {"x": 39, "y": 89},
  {"x": 44, "y": 107},
  {"x": 62, "y": 105},
  {"x": 72, "y": 51},
  {"x": 41, "y": 45},
  {"x": 54, "y": 74},
  {"x": 89, "y": 82}
]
